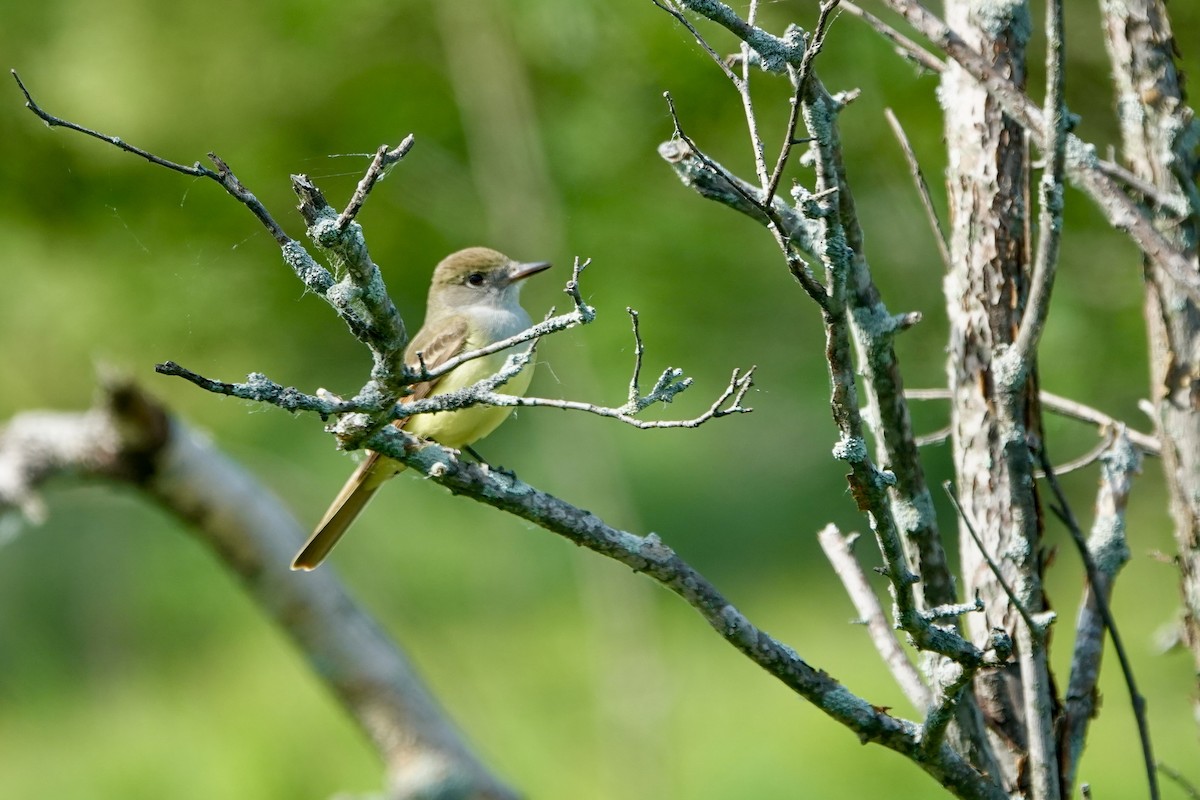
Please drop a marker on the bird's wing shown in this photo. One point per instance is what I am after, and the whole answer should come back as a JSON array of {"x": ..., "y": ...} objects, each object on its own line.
[{"x": 436, "y": 346}]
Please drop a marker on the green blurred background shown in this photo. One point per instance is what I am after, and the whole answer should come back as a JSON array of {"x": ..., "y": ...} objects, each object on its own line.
[{"x": 132, "y": 666}]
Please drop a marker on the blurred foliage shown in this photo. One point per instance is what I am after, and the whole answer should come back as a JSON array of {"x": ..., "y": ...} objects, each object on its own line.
[{"x": 131, "y": 666}]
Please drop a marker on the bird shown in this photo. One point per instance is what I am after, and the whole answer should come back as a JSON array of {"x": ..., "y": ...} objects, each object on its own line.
[{"x": 474, "y": 301}]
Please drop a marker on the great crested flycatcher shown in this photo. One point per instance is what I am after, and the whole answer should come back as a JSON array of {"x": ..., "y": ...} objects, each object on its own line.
[{"x": 474, "y": 301}]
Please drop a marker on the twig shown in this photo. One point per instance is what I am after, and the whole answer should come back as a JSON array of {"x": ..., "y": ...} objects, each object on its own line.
[
  {"x": 1085, "y": 460},
  {"x": 1066, "y": 407},
  {"x": 1177, "y": 205},
  {"x": 841, "y": 558},
  {"x": 712, "y": 180},
  {"x": 812, "y": 287},
  {"x": 904, "y": 46},
  {"x": 935, "y": 437},
  {"x": 223, "y": 176},
  {"x": 1037, "y": 629},
  {"x": 1050, "y": 207},
  {"x": 756, "y": 141},
  {"x": 639, "y": 351},
  {"x": 914, "y": 169},
  {"x": 1183, "y": 783},
  {"x": 740, "y": 83},
  {"x": 800, "y": 77},
  {"x": 729, "y": 401},
  {"x": 1097, "y": 582},
  {"x": 721, "y": 63},
  {"x": 384, "y": 158},
  {"x": 774, "y": 54},
  {"x": 262, "y": 390}
]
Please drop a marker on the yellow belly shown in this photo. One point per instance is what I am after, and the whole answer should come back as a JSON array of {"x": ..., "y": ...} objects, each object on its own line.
[{"x": 458, "y": 429}]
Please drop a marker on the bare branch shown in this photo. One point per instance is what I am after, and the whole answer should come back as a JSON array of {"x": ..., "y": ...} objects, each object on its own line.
[
  {"x": 384, "y": 159},
  {"x": 130, "y": 438},
  {"x": 223, "y": 176},
  {"x": 1183, "y": 783},
  {"x": 914, "y": 169},
  {"x": 838, "y": 550},
  {"x": 1067, "y": 408},
  {"x": 1120, "y": 467},
  {"x": 904, "y": 46},
  {"x": 1050, "y": 205}
]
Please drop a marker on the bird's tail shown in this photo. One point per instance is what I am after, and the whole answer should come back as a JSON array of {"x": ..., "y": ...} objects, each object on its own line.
[{"x": 349, "y": 503}]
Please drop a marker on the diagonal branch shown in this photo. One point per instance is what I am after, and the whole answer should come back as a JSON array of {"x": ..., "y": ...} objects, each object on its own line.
[
  {"x": 651, "y": 556},
  {"x": 1081, "y": 163},
  {"x": 1118, "y": 474},
  {"x": 837, "y": 549},
  {"x": 129, "y": 437},
  {"x": 385, "y": 158}
]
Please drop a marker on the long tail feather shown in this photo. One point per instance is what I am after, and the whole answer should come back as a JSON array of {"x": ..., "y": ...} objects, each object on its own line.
[{"x": 346, "y": 507}]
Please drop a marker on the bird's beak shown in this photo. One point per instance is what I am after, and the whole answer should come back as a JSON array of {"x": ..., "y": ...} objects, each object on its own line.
[{"x": 520, "y": 272}]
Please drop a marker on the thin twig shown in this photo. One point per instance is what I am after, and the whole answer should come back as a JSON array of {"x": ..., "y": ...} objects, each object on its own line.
[
  {"x": 905, "y": 46},
  {"x": 756, "y": 142},
  {"x": 260, "y": 389},
  {"x": 935, "y": 437},
  {"x": 1038, "y": 631},
  {"x": 812, "y": 287},
  {"x": 674, "y": 11},
  {"x": 838, "y": 550},
  {"x": 729, "y": 401},
  {"x": 1187, "y": 786},
  {"x": 1063, "y": 511},
  {"x": 1050, "y": 205},
  {"x": 1177, "y": 205},
  {"x": 384, "y": 158},
  {"x": 222, "y": 175},
  {"x": 639, "y": 350},
  {"x": 914, "y": 169},
  {"x": 1085, "y": 460},
  {"x": 1065, "y": 407},
  {"x": 799, "y": 76}
]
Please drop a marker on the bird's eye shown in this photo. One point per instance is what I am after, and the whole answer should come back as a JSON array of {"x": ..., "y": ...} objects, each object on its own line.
[{"x": 475, "y": 279}]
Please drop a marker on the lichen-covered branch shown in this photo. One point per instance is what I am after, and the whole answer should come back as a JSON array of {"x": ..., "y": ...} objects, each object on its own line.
[
  {"x": 130, "y": 438},
  {"x": 994, "y": 387},
  {"x": 824, "y": 226},
  {"x": 651, "y": 556},
  {"x": 838, "y": 550},
  {"x": 1081, "y": 163},
  {"x": 1105, "y": 553},
  {"x": 1159, "y": 138}
]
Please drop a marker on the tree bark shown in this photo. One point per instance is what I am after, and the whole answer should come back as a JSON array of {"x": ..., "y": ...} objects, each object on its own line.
[
  {"x": 1159, "y": 138},
  {"x": 987, "y": 187}
]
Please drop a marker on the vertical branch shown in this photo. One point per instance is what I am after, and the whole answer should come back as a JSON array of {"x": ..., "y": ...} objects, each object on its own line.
[
  {"x": 1103, "y": 554},
  {"x": 993, "y": 409},
  {"x": 1159, "y": 135},
  {"x": 1050, "y": 192}
]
